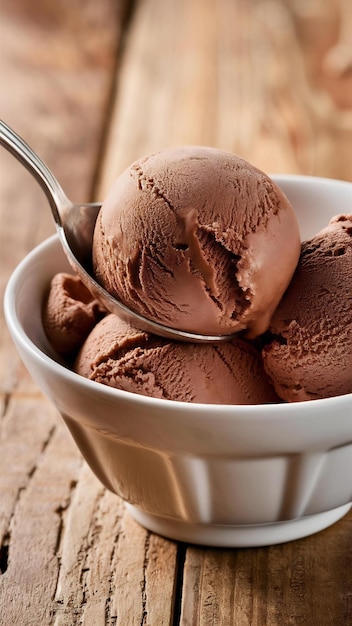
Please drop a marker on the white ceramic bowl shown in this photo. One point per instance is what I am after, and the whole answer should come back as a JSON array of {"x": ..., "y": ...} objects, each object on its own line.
[{"x": 208, "y": 474}]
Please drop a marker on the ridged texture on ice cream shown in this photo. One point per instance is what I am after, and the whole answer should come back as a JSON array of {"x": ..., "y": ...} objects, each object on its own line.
[
  {"x": 70, "y": 313},
  {"x": 310, "y": 355},
  {"x": 121, "y": 356},
  {"x": 198, "y": 239}
]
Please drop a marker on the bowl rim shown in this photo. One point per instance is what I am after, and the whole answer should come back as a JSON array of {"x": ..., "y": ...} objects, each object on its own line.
[
  {"x": 21, "y": 338},
  {"x": 310, "y": 179}
]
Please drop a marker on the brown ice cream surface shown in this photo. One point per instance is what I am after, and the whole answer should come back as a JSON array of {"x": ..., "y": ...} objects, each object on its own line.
[
  {"x": 69, "y": 314},
  {"x": 193, "y": 237},
  {"x": 118, "y": 355},
  {"x": 310, "y": 355}
]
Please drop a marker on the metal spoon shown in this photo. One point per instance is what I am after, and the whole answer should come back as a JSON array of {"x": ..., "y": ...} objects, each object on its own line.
[{"x": 75, "y": 226}]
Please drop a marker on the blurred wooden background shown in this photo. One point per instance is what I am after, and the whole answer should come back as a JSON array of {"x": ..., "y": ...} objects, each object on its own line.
[{"x": 92, "y": 86}]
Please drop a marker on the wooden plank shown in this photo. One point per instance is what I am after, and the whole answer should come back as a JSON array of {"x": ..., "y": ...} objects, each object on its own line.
[
  {"x": 237, "y": 75},
  {"x": 21, "y": 447},
  {"x": 112, "y": 571},
  {"x": 304, "y": 582},
  {"x": 28, "y": 579},
  {"x": 145, "y": 566}
]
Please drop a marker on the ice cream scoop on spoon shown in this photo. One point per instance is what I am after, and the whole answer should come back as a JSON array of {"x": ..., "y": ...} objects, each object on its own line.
[
  {"x": 75, "y": 226},
  {"x": 191, "y": 243}
]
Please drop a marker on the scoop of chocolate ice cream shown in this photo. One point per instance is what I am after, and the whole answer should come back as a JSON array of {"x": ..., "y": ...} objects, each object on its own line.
[
  {"x": 198, "y": 239},
  {"x": 118, "y": 355},
  {"x": 310, "y": 355},
  {"x": 69, "y": 313}
]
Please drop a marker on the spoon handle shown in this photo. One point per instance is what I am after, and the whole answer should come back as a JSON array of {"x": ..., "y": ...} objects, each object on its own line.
[{"x": 33, "y": 163}]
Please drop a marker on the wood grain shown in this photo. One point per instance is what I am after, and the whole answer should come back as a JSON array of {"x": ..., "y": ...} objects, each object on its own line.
[
  {"x": 244, "y": 76},
  {"x": 92, "y": 89},
  {"x": 303, "y": 582}
]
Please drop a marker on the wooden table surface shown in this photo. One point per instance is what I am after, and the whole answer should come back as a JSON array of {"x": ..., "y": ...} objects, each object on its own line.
[{"x": 93, "y": 86}]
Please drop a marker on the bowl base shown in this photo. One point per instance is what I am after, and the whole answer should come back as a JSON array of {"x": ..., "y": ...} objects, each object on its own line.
[{"x": 225, "y": 536}]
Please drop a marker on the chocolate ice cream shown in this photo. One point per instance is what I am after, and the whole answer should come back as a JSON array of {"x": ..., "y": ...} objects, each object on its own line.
[
  {"x": 69, "y": 314},
  {"x": 310, "y": 355},
  {"x": 197, "y": 239},
  {"x": 118, "y": 355}
]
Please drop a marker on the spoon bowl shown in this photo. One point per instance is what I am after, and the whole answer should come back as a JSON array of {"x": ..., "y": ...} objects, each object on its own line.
[{"x": 75, "y": 227}]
